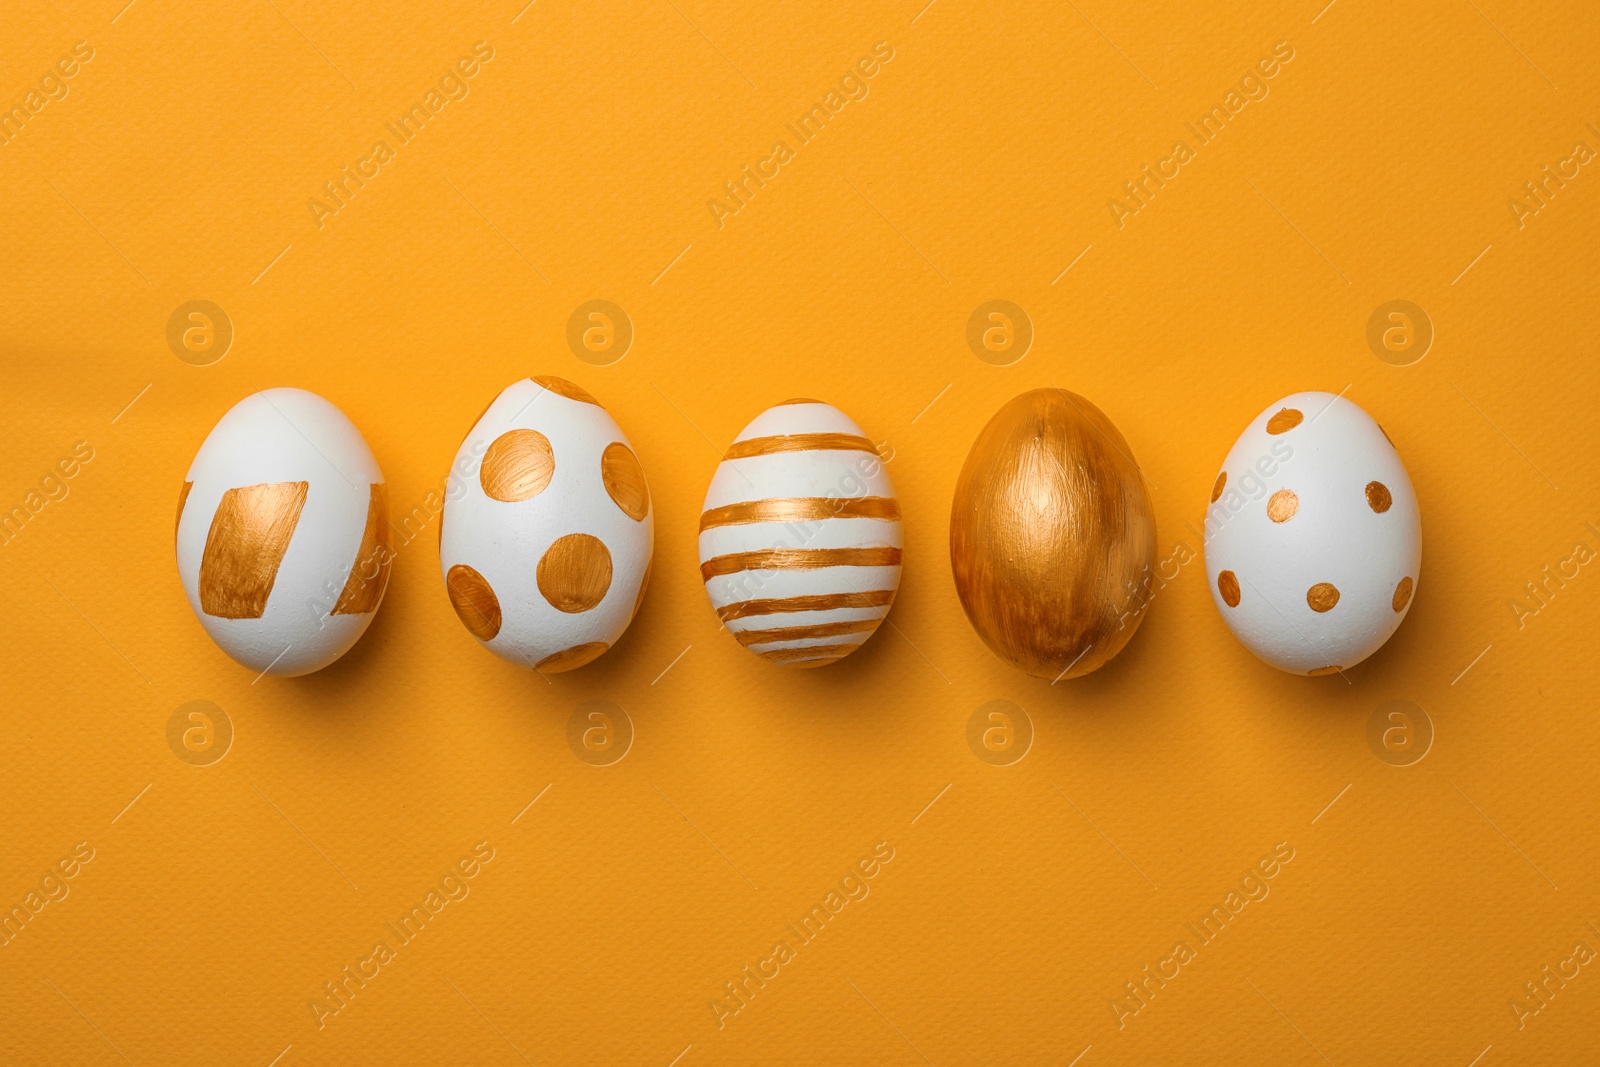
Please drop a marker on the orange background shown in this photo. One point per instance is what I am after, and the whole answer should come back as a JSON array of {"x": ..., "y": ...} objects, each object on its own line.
[{"x": 1017, "y": 905}]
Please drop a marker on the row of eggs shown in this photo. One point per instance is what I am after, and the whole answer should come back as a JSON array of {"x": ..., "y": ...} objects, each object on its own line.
[{"x": 1312, "y": 534}]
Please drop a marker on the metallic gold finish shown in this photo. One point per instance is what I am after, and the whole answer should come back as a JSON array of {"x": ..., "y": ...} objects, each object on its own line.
[
  {"x": 643, "y": 585},
  {"x": 1378, "y": 497},
  {"x": 624, "y": 480},
  {"x": 562, "y": 387},
  {"x": 1283, "y": 505},
  {"x": 797, "y": 633},
  {"x": 1285, "y": 420},
  {"x": 797, "y": 400},
  {"x": 1228, "y": 586},
  {"x": 876, "y": 598},
  {"x": 1216, "y": 490},
  {"x": 1322, "y": 671},
  {"x": 517, "y": 466},
  {"x": 800, "y": 442},
  {"x": 1052, "y": 536},
  {"x": 474, "y": 601},
  {"x": 772, "y": 559},
  {"x": 570, "y": 659},
  {"x": 1322, "y": 597},
  {"x": 781, "y": 655},
  {"x": 249, "y": 535},
  {"x": 1402, "y": 593},
  {"x": 575, "y": 572},
  {"x": 183, "y": 498},
  {"x": 369, "y": 574},
  {"x": 801, "y": 509},
  {"x": 801, "y": 665}
]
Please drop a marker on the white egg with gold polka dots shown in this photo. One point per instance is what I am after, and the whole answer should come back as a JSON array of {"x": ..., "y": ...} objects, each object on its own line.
[
  {"x": 1313, "y": 540},
  {"x": 547, "y": 530}
]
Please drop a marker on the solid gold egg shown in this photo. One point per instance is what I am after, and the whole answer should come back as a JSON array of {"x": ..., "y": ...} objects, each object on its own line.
[{"x": 1052, "y": 536}]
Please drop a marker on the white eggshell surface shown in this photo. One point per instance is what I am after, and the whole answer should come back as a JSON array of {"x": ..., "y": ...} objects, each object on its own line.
[
  {"x": 800, "y": 536},
  {"x": 283, "y": 533},
  {"x": 1313, "y": 540},
  {"x": 548, "y": 527}
]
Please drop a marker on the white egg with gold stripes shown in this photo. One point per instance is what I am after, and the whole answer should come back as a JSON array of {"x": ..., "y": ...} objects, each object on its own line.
[{"x": 800, "y": 536}]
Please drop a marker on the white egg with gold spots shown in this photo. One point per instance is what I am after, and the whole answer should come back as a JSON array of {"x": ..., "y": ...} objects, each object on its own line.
[
  {"x": 283, "y": 537},
  {"x": 1313, "y": 540},
  {"x": 547, "y": 531},
  {"x": 800, "y": 536}
]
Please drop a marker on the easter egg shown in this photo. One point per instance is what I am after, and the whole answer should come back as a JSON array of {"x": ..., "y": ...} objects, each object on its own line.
[
  {"x": 283, "y": 538},
  {"x": 1313, "y": 540},
  {"x": 1052, "y": 536},
  {"x": 800, "y": 536},
  {"x": 547, "y": 531}
]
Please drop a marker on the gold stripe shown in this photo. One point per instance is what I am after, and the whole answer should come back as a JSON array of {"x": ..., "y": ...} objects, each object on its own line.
[
  {"x": 249, "y": 534},
  {"x": 369, "y": 574},
  {"x": 781, "y": 655},
  {"x": 807, "y": 664},
  {"x": 876, "y": 598},
  {"x": 801, "y": 509},
  {"x": 800, "y": 442},
  {"x": 799, "y": 633},
  {"x": 768, "y": 559}
]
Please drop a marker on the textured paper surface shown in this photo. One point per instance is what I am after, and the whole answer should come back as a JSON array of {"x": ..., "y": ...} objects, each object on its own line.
[{"x": 1380, "y": 165}]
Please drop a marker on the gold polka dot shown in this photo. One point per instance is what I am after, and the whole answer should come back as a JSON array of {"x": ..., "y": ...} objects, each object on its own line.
[
  {"x": 518, "y": 465},
  {"x": 475, "y": 603},
  {"x": 575, "y": 573},
  {"x": 624, "y": 480},
  {"x": 797, "y": 400},
  {"x": 569, "y": 659},
  {"x": 1320, "y": 671},
  {"x": 1216, "y": 490},
  {"x": 1283, "y": 505},
  {"x": 183, "y": 498},
  {"x": 1285, "y": 420},
  {"x": 562, "y": 387},
  {"x": 1402, "y": 593},
  {"x": 1378, "y": 498},
  {"x": 1228, "y": 586},
  {"x": 643, "y": 585},
  {"x": 1322, "y": 597}
]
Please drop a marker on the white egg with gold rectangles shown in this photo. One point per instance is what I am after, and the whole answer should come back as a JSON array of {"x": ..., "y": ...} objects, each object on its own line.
[
  {"x": 283, "y": 539},
  {"x": 547, "y": 531},
  {"x": 800, "y": 536}
]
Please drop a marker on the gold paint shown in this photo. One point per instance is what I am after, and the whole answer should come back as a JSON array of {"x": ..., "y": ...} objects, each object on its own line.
[
  {"x": 807, "y": 664},
  {"x": 562, "y": 387},
  {"x": 570, "y": 659},
  {"x": 183, "y": 498},
  {"x": 474, "y": 601},
  {"x": 769, "y": 559},
  {"x": 1216, "y": 490},
  {"x": 876, "y": 598},
  {"x": 575, "y": 572},
  {"x": 1283, "y": 505},
  {"x": 781, "y": 655},
  {"x": 801, "y": 509},
  {"x": 1320, "y": 672},
  {"x": 1402, "y": 593},
  {"x": 1385, "y": 433},
  {"x": 800, "y": 442},
  {"x": 797, "y": 400},
  {"x": 518, "y": 466},
  {"x": 369, "y": 574},
  {"x": 643, "y": 585},
  {"x": 796, "y": 633},
  {"x": 1228, "y": 586},
  {"x": 624, "y": 480},
  {"x": 1285, "y": 420},
  {"x": 1322, "y": 597},
  {"x": 1052, "y": 536},
  {"x": 1378, "y": 497},
  {"x": 249, "y": 535}
]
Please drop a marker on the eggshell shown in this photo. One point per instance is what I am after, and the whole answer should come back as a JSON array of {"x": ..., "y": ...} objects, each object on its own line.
[
  {"x": 547, "y": 532},
  {"x": 283, "y": 535},
  {"x": 1313, "y": 540},
  {"x": 800, "y": 536},
  {"x": 1052, "y": 536}
]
